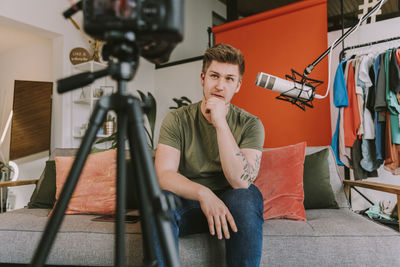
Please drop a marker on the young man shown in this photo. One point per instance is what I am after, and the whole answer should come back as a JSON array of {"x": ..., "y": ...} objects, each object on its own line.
[{"x": 209, "y": 155}]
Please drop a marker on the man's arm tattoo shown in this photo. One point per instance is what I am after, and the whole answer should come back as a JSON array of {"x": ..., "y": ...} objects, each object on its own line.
[{"x": 249, "y": 171}]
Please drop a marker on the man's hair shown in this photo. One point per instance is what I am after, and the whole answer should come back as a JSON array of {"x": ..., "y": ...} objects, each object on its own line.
[{"x": 223, "y": 53}]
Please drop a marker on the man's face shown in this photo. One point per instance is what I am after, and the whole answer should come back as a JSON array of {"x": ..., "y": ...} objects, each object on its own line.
[{"x": 221, "y": 80}]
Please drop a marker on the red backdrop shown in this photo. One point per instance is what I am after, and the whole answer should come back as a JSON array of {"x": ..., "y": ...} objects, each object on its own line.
[{"x": 274, "y": 42}]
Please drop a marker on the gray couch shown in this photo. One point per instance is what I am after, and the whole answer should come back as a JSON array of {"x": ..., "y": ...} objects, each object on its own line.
[{"x": 329, "y": 237}]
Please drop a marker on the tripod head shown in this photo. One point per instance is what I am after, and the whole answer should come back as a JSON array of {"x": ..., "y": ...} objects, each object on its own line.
[{"x": 130, "y": 28}]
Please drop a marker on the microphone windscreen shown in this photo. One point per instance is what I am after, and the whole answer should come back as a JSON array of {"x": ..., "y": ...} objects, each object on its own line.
[{"x": 288, "y": 88}]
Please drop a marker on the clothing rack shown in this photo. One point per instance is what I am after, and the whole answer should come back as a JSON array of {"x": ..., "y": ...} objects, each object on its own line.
[{"x": 341, "y": 55}]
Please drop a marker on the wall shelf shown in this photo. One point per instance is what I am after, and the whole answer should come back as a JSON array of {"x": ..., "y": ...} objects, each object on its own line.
[{"x": 83, "y": 101}]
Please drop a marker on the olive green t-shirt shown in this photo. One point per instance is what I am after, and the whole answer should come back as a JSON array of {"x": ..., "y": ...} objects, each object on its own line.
[{"x": 187, "y": 130}]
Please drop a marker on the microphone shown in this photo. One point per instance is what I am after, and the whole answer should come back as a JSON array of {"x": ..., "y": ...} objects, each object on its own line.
[
  {"x": 296, "y": 89},
  {"x": 285, "y": 87}
]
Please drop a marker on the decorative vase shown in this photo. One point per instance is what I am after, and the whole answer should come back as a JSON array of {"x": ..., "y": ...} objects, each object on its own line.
[{"x": 108, "y": 127}]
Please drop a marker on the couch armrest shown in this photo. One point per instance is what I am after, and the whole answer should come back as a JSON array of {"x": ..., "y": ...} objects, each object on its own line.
[
  {"x": 389, "y": 188},
  {"x": 18, "y": 183}
]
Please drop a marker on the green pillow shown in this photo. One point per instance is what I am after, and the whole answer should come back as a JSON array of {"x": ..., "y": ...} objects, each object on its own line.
[
  {"x": 318, "y": 193},
  {"x": 44, "y": 195}
]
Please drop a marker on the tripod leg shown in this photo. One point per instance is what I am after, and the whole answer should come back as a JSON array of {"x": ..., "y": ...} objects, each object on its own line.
[
  {"x": 121, "y": 189},
  {"x": 158, "y": 203},
  {"x": 149, "y": 255},
  {"x": 55, "y": 220}
]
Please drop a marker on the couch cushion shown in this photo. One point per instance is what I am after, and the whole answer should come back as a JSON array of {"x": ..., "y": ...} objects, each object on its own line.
[
  {"x": 336, "y": 181},
  {"x": 318, "y": 193},
  {"x": 95, "y": 192},
  {"x": 328, "y": 238},
  {"x": 43, "y": 197},
  {"x": 280, "y": 181},
  {"x": 80, "y": 241}
]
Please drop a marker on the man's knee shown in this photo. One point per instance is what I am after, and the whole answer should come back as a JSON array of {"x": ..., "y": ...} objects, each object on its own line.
[
  {"x": 244, "y": 203},
  {"x": 243, "y": 197}
]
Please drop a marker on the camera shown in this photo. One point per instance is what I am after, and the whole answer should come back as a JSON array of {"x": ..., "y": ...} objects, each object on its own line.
[{"x": 157, "y": 24}]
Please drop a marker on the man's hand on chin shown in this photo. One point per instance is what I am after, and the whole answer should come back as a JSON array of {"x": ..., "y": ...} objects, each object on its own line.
[{"x": 218, "y": 109}]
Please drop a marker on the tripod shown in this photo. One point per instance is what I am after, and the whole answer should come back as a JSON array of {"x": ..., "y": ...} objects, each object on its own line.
[{"x": 130, "y": 122}]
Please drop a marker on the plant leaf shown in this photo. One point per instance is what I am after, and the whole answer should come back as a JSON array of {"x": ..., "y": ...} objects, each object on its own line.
[
  {"x": 107, "y": 139},
  {"x": 186, "y": 99},
  {"x": 142, "y": 95},
  {"x": 150, "y": 139},
  {"x": 151, "y": 115}
]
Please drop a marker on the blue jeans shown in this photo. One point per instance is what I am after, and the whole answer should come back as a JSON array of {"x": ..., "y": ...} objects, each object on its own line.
[{"x": 244, "y": 247}]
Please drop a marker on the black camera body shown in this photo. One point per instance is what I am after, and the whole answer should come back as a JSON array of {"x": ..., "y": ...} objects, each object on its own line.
[{"x": 157, "y": 24}]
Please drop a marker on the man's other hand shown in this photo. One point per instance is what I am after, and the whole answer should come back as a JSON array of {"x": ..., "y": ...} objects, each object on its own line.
[{"x": 217, "y": 214}]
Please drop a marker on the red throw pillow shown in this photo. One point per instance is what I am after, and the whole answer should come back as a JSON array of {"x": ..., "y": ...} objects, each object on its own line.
[
  {"x": 96, "y": 189},
  {"x": 280, "y": 181}
]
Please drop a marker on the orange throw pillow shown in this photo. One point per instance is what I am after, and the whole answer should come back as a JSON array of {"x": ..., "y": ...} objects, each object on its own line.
[
  {"x": 96, "y": 189},
  {"x": 280, "y": 181}
]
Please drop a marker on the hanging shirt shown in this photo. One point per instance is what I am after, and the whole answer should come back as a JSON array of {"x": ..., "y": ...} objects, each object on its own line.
[
  {"x": 351, "y": 114},
  {"x": 398, "y": 56},
  {"x": 340, "y": 100},
  {"x": 358, "y": 171},
  {"x": 380, "y": 95},
  {"x": 359, "y": 94},
  {"x": 368, "y": 161},
  {"x": 392, "y": 161},
  {"x": 365, "y": 66},
  {"x": 393, "y": 104},
  {"x": 344, "y": 152},
  {"x": 364, "y": 80},
  {"x": 394, "y": 73},
  {"x": 379, "y": 126}
]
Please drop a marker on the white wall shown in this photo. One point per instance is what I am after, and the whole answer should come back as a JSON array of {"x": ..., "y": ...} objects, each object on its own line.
[
  {"x": 31, "y": 62},
  {"x": 197, "y": 19},
  {"x": 176, "y": 81},
  {"x": 184, "y": 80},
  {"x": 181, "y": 80},
  {"x": 367, "y": 33},
  {"x": 48, "y": 22},
  {"x": 58, "y": 36},
  {"x": 43, "y": 17},
  {"x": 45, "y": 59}
]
